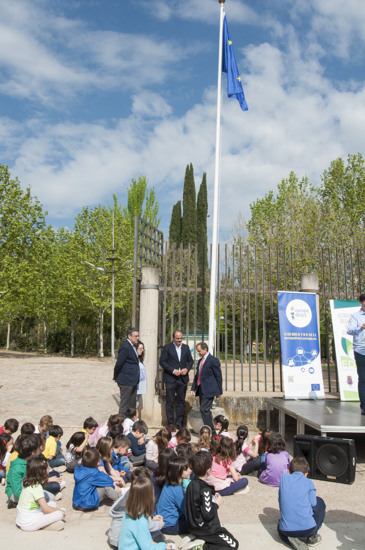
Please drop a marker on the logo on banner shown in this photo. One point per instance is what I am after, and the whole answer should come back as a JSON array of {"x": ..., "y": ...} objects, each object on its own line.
[
  {"x": 298, "y": 313},
  {"x": 349, "y": 380},
  {"x": 315, "y": 387}
]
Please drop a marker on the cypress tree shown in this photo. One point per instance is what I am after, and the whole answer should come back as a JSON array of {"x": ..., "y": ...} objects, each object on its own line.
[
  {"x": 175, "y": 224},
  {"x": 188, "y": 232},
  {"x": 202, "y": 239}
]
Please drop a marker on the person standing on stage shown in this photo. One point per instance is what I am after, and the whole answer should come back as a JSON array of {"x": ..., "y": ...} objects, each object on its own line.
[
  {"x": 356, "y": 328},
  {"x": 176, "y": 361},
  {"x": 207, "y": 383},
  {"x": 126, "y": 371}
]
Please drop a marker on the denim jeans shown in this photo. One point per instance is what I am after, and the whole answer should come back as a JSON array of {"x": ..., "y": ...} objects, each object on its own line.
[{"x": 58, "y": 460}]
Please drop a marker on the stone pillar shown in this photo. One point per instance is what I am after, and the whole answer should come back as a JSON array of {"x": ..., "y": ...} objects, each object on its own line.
[
  {"x": 148, "y": 333},
  {"x": 309, "y": 282}
]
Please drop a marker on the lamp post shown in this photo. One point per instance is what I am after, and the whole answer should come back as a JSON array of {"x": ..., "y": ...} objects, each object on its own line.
[{"x": 113, "y": 272}]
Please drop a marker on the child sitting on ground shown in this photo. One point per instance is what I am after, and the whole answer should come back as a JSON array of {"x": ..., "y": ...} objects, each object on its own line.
[
  {"x": 201, "y": 507},
  {"x": 91, "y": 485},
  {"x": 105, "y": 447},
  {"x": 159, "y": 475},
  {"x": 50, "y": 452},
  {"x": 55, "y": 483},
  {"x": 27, "y": 447},
  {"x": 136, "y": 438},
  {"x": 103, "y": 429},
  {"x": 277, "y": 461},
  {"x": 74, "y": 450},
  {"x": 205, "y": 433},
  {"x": 155, "y": 524},
  {"x": 154, "y": 447},
  {"x": 44, "y": 425},
  {"x": 182, "y": 436},
  {"x": 224, "y": 477},
  {"x": 247, "y": 459},
  {"x": 134, "y": 532},
  {"x": 90, "y": 426},
  {"x": 221, "y": 425},
  {"x": 10, "y": 427},
  {"x": 33, "y": 512},
  {"x": 131, "y": 418},
  {"x": 6, "y": 447},
  {"x": 302, "y": 513},
  {"x": 171, "y": 502},
  {"x": 120, "y": 461}
]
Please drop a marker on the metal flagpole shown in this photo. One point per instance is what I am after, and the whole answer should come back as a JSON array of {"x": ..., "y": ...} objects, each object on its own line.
[{"x": 213, "y": 267}]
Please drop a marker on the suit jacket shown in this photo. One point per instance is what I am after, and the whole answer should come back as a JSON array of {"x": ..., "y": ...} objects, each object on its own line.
[
  {"x": 169, "y": 361},
  {"x": 210, "y": 378},
  {"x": 126, "y": 369}
]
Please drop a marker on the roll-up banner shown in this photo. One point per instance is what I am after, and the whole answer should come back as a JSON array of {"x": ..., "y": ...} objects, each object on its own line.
[
  {"x": 341, "y": 311},
  {"x": 299, "y": 339}
]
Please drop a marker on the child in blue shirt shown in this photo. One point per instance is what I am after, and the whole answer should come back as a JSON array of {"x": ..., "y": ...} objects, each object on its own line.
[
  {"x": 171, "y": 502},
  {"x": 91, "y": 485},
  {"x": 120, "y": 460},
  {"x": 134, "y": 532},
  {"x": 302, "y": 513}
]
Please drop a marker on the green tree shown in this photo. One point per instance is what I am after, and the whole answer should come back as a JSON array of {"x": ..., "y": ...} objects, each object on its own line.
[
  {"x": 175, "y": 224},
  {"x": 21, "y": 224},
  {"x": 202, "y": 240},
  {"x": 142, "y": 202},
  {"x": 188, "y": 232}
]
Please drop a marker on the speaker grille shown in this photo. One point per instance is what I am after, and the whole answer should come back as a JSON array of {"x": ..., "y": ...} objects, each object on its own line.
[{"x": 331, "y": 460}]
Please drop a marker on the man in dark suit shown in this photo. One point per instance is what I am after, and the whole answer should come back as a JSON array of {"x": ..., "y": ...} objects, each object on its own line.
[
  {"x": 176, "y": 360},
  {"x": 207, "y": 383},
  {"x": 126, "y": 371}
]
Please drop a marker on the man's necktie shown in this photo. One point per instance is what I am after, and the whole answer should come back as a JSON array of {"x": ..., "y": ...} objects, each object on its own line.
[{"x": 200, "y": 370}]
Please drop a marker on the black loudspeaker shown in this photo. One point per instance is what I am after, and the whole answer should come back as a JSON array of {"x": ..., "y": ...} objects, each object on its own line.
[{"x": 329, "y": 458}]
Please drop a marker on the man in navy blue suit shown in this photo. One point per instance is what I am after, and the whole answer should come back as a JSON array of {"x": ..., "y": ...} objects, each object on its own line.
[
  {"x": 176, "y": 361},
  {"x": 207, "y": 383},
  {"x": 126, "y": 371}
]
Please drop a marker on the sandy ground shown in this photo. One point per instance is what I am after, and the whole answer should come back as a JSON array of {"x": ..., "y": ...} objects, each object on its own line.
[{"x": 72, "y": 389}]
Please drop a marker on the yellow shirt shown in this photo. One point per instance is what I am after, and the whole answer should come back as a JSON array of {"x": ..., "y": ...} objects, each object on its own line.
[
  {"x": 12, "y": 457},
  {"x": 51, "y": 447}
]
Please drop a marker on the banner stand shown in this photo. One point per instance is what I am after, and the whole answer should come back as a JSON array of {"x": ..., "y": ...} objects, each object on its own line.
[{"x": 300, "y": 346}]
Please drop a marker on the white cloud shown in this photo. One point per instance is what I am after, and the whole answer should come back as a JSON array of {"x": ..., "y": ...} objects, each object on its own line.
[
  {"x": 47, "y": 57},
  {"x": 340, "y": 23},
  {"x": 297, "y": 121}
]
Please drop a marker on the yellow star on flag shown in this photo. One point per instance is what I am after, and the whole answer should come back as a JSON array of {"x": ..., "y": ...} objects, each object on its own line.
[{"x": 229, "y": 42}]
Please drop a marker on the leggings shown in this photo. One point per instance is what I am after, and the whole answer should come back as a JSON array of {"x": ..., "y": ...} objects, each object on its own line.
[
  {"x": 235, "y": 486},
  {"x": 45, "y": 519},
  {"x": 250, "y": 466}
]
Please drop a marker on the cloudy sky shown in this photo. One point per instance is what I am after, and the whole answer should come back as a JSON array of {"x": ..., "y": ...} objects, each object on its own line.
[{"x": 95, "y": 92}]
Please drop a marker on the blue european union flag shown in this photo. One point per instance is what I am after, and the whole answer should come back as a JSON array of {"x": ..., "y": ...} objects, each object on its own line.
[{"x": 229, "y": 66}]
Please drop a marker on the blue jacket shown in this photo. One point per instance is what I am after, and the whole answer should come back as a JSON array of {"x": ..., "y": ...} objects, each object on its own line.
[
  {"x": 169, "y": 361},
  {"x": 135, "y": 535},
  {"x": 171, "y": 504},
  {"x": 211, "y": 377},
  {"x": 126, "y": 370},
  {"x": 86, "y": 481},
  {"x": 120, "y": 462}
]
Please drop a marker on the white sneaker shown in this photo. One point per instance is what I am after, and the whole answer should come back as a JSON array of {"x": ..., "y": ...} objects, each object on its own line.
[
  {"x": 243, "y": 491},
  {"x": 3, "y": 481},
  {"x": 56, "y": 526},
  {"x": 62, "y": 485},
  {"x": 58, "y": 496}
]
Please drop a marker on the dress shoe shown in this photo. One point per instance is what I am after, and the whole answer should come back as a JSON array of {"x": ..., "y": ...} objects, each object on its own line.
[
  {"x": 363, "y": 411},
  {"x": 179, "y": 426},
  {"x": 172, "y": 428}
]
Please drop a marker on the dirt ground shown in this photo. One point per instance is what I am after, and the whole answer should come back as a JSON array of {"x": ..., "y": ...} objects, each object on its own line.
[{"x": 70, "y": 390}]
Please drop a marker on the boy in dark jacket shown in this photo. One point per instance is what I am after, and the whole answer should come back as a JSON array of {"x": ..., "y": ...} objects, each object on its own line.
[
  {"x": 201, "y": 508},
  {"x": 136, "y": 438},
  {"x": 91, "y": 485}
]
